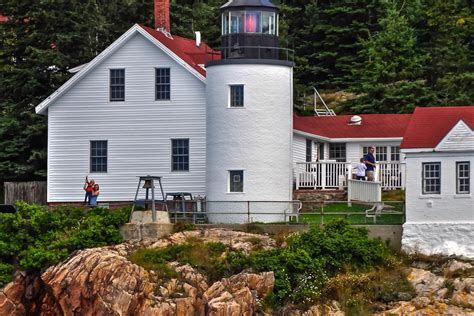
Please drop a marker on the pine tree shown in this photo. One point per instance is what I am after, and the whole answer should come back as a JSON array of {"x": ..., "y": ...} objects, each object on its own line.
[
  {"x": 40, "y": 41},
  {"x": 390, "y": 78}
]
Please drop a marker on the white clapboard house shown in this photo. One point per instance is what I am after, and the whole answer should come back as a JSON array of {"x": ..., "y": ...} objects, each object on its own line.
[
  {"x": 439, "y": 149},
  {"x": 327, "y": 148}
]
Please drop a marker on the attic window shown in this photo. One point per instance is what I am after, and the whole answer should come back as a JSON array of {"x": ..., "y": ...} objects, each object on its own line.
[
  {"x": 163, "y": 83},
  {"x": 117, "y": 84}
]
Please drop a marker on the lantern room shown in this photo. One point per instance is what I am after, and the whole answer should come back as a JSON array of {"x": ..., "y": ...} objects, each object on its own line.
[{"x": 249, "y": 29}]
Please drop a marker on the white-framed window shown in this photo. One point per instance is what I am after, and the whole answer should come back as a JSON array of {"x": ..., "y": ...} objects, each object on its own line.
[
  {"x": 431, "y": 178},
  {"x": 394, "y": 153},
  {"x": 98, "y": 156},
  {"x": 236, "y": 181},
  {"x": 381, "y": 153},
  {"x": 180, "y": 155},
  {"x": 337, "y": 151},
  {"x": 309, "y": 150},
  {"x": 117, "y": 85},
  {"x": 162, "y": 84},
  {"x": 236, "y": 95},
  {"x": 463, "y": 177}
]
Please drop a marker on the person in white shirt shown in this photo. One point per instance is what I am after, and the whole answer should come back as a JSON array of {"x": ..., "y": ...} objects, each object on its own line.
[{"x": 360, "y": 170}]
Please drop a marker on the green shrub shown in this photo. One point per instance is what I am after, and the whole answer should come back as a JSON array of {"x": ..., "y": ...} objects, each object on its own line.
[
  {"x": 36, "y": 237},
  {"x": 6, "y": 271}
]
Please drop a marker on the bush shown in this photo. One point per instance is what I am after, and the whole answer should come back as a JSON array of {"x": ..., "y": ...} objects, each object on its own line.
[
  {"x": 302, "y": 269},
  {"x": 36, "y": 237}
]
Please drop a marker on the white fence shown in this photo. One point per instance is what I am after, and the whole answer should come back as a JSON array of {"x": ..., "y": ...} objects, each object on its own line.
[
  {"x": 331, "y": 175},
  {"x": 365, "y": 191}
]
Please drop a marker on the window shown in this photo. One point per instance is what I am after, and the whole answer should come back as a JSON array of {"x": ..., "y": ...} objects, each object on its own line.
[
  {"x": 380, "y": 153},
  {"x": 180, "y": 155},
  {"x": 395, "y": 153},
  {"x": 431, "y": 178},
  {"x": 252, "y": 22},
  {"x": 236, "y": 96},
  {"x": 463, "y": 177},
  {"x": 117, "y": 84},
  {"x": 98, "y": 156},
  {"x": 337, "y": 151},
  {"x": 236, "y": 183},
  {"x": 309, "y": 151},
  {"x": 162, "y": 84}
]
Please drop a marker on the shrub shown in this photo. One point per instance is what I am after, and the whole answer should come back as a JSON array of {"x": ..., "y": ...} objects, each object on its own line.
[{"x": 36, "y": 237}]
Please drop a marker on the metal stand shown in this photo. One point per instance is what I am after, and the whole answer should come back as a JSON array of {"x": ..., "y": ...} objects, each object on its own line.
[{"x": 149, "y": 183}]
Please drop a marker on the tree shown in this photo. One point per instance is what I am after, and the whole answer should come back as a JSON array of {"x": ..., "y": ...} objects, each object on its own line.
[
  {"x": 327, "y": 40},
  {"x": 40, "y": 41},
  {"x": 450, "y": 29},
  {"x": 390, "y": 78}
]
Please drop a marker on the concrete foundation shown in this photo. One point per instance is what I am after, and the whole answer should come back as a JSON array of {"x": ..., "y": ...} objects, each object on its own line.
[
  {"x": 146, "y": 217},
  {"x": 136, "y": 231},
  {"x": 447, "y": 239}
]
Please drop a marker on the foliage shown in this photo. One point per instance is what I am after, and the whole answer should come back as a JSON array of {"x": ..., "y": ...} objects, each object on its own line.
[
  {"x": 301, "y": 270},
  {"x": 181, "y": 227},
  {"x": 36, "y": 237},
  {"x": 395, "y": 54},
  {"x": 206, "y": 257}
]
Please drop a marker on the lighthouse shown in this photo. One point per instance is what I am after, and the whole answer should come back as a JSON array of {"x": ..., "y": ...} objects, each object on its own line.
[{"x": 249, "y": 94}]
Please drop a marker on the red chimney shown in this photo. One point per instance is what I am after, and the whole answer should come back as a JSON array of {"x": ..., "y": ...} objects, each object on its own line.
[{"x": 162, "y": 15}]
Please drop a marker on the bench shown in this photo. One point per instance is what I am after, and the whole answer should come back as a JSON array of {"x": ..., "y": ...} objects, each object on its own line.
[{"x": 375, "y": 211}]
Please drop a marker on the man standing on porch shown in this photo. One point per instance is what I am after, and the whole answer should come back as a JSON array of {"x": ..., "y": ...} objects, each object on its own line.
[{"x": 369, "y": 160}]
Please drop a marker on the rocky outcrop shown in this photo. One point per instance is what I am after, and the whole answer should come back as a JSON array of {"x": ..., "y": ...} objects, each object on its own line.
[
  {"x": 102, "y": 281},
  {"x": 451, "y": 293},
  {"x": 236, "y": 240}
]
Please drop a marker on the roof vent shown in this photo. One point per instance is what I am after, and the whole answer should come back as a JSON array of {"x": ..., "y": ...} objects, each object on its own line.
[{"x": 355, "y": 120}]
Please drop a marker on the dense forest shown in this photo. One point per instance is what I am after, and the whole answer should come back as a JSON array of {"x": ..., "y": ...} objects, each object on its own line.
[{"x": 390, "y": 55}]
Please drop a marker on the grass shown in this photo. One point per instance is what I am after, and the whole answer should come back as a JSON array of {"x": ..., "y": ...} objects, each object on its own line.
[
  {"x": 205, "y": 257},
  {"x": 355, "y": 214}
]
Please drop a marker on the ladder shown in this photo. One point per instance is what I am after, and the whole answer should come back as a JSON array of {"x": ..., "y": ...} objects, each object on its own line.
[{"x": 326, "y": 111}]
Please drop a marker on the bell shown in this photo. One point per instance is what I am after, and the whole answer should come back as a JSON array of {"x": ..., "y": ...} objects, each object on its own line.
[{"x": 148, "y": 184}]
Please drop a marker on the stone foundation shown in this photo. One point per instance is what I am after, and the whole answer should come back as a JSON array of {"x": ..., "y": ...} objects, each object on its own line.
[{"x": 439, "y": 238}]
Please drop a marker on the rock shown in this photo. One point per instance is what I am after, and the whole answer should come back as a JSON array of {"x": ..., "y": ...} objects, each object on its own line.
[
  {"x": 463, "y": 294},
  {"x": 240, "y": 241},
  {"x": 102, "y": 281},
  {"x": 332, "y": 309},
  {"x": 424, "y": 282},
  {"x": 456, "y": 266}
]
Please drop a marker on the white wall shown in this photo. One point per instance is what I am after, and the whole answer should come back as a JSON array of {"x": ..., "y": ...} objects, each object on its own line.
[
  {"x": 138, "y": 130},
  {"x": 299, "y": 148},
  {"x": 447, "y": 206},
  {"x": 255, "y": 138}
]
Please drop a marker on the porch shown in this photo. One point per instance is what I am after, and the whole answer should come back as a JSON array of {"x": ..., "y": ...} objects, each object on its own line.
[{"x": 325, "y": 175}]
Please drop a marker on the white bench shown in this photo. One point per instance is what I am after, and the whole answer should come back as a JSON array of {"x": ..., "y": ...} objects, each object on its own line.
[{"x": 375, "y": 211}]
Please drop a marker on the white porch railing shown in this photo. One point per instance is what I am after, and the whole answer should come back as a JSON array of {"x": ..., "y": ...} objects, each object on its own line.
[
  {"x": 331, "y": 174},
  {"x": 365, "y": 191},
  {"x": 322, "y": 174}
]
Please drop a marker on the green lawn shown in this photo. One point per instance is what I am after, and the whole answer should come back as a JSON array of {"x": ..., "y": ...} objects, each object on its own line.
[{"x": 393, "y": 214}]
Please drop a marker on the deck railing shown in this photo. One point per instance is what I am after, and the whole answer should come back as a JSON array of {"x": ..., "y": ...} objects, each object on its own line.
[{"x": 332, "y": 175}]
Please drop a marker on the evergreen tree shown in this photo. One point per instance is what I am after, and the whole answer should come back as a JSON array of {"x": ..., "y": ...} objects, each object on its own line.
[
  {"x": 327, "y": 40},
  {"x": 39, "y": 42},
  {"x": 391, "y": 74},
  {"x": 450, "y": 28}
]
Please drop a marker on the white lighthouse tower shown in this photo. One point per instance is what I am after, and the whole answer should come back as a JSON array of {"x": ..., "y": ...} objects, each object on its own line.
[{"x": 249, "y": 95}]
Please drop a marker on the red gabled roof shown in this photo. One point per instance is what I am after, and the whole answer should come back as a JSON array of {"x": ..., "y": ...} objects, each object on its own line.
[
  {"x": 186, "y": 49},
  {"x": 372, "y": 126},
  {"x": 429, "y": 125}
]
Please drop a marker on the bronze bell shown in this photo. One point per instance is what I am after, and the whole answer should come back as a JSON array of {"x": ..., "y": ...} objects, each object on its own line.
[{"x": 148, "y": 184}]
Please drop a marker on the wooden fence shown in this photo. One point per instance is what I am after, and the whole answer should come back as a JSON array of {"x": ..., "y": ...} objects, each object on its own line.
[{"x": 29, "y": 192}]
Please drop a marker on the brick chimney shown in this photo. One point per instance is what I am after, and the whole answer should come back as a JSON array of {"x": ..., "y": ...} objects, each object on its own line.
[{"x": 162, "y": 15}]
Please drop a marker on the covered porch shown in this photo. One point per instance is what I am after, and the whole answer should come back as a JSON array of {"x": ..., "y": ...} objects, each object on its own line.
[{"x": 326, "y": 175}]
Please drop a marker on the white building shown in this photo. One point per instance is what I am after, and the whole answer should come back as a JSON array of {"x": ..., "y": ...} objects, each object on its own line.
[
  {"x": 333, "y": 145},
  {"x": 439, "y": 149},
  {"x": 148, "y": 106}
]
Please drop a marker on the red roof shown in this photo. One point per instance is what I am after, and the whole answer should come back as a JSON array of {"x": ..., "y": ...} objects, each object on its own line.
[
  {"x": 3, "y": 18},
  {"x": 429, "y": 125},
  {"x": 186, "y": 49},
  {"x": 372, "y": 126}
]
